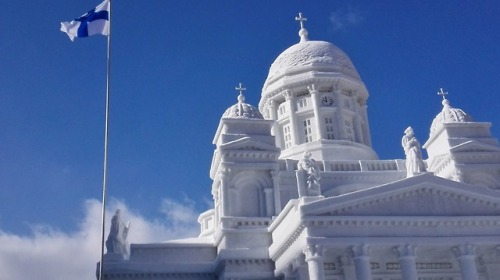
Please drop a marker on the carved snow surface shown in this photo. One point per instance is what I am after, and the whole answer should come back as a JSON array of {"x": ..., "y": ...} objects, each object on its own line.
[
  {"x": 312, "y": 53},
  {"x": 474, "y": 146},
  {"x": 242, "y": 111},
  {"x": 449, "y": 115},
  {"x": 423, "y": 195},
  {"x": 248, "y": 143}
]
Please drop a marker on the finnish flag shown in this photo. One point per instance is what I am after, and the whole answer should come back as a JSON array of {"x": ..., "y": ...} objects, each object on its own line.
[{"x": 94, "y": 22}]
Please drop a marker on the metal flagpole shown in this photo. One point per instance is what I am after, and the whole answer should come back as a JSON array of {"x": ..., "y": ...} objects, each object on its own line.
[{"x": 106, "y": 128}]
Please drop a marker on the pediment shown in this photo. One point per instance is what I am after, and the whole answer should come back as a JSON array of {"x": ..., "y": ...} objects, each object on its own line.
[
  {"x": 474, "y": 146},
  {"x": 248, "y": 144},
  {"x": 423, "y": 195}
]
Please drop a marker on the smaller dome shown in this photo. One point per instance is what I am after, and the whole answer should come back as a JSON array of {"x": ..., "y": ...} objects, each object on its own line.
[
  {"x": 449, "y": 115},
  {"x": 242, "y": 110}
]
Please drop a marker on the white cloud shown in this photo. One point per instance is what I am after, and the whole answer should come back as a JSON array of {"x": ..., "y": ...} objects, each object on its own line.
[
  {"x": 53, "y": 254},
  {"x": 345, "y": 17}
]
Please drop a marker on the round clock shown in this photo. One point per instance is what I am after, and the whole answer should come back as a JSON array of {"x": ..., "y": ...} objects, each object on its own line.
[{"x": 327, "y": 100}]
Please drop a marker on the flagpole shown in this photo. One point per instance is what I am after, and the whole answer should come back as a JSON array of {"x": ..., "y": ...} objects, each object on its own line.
[{"x": 106, "y": 129}]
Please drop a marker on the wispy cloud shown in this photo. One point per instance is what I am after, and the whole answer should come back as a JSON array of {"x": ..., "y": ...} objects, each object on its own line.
[
  {"x": 53, "y": 254},
  {"x": 344, "y": 18}
]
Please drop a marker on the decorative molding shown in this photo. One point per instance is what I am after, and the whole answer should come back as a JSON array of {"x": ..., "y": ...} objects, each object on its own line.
[
  {"x": 313, "y": 251},
  {"x": 421, "y": 266},
  {"x": 414, "y": 192},
  {"x": 158, "y": 275},
  {"x": 288, "y": 242},
  {"x": 401, "y": 222},
  {"x": 407, "y": 250},
  {"x": 464, "y": 250},
  {"x": 358, "y": 251}
]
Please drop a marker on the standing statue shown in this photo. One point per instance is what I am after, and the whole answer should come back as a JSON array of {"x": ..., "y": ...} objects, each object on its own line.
[
  {"x": 411, "y": 146},
  {"x": 117, "y": 238},
  {"x": 308, "y": 176}
]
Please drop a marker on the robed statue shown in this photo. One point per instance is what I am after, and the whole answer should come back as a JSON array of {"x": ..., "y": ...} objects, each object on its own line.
[
  {"x": 117, "y": 238},
  {"x": 413, "y": 152},
  {"x": 308, "y": 176}
]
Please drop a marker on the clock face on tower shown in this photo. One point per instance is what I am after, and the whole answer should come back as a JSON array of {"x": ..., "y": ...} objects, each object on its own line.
[{"x": 327, "y": 100}]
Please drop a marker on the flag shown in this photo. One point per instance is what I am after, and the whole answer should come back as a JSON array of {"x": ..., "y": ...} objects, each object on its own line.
[{"x": 94, "y": 22}]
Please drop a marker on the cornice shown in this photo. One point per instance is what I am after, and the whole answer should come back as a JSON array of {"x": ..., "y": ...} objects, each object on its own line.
[{"x": 289, "y": 242}]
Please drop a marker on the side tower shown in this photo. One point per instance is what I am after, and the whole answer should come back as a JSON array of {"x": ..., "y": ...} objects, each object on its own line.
[
  {"x": 243, "y": 174},
  {"x": 318, "y": 102},
  {"x": 462, "y": 149}
]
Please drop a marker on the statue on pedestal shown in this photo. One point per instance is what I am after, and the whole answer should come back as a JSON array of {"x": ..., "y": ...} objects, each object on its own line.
[
  {"x": 411, "y": 146},
  {"x": 117, "y": 238},
  {"x": 308, "y": 176}
]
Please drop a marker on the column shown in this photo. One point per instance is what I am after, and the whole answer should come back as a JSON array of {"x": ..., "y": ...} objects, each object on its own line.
[
  {"x": 340, "y": 115},
  {"x": 319, "y": 121},
  {"x": 361, "y": 260},
  {"x": 274, "y": 116},
  {"x": 224, "y": 190},
  {"x": 348, "y": 267},
  {"x": 289, "y": 273},
  {"x": 359, "y": 137},
  {"x": 466, "y": 256},
  {"x": 293, "y": 119},
  {"x": 277, "y": 199},
  {"x": 407, "y": 257},
  {"x": 314, "y": 259},
  {"x": 268, "y": 194},
  {"x": 491, "y": 260}
]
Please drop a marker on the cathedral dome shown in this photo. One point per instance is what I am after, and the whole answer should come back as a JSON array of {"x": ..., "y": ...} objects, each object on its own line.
[
  {"x": 242, "y": 110},
  {"x": 311, "y": 56},
  {"x": 449, "y": 115}
]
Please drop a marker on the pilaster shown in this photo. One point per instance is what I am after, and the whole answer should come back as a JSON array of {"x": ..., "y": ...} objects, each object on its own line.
[{"x": 268, "y": 196}]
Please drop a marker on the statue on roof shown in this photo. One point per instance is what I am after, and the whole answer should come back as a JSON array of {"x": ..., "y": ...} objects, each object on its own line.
[
  {"x": 413, "y": 152},
  {"x": 117, "y": 238},
  {"x": 308, "y": 176}
]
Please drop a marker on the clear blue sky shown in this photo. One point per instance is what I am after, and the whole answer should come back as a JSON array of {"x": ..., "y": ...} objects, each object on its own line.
[{"x": 174, "y": 68}]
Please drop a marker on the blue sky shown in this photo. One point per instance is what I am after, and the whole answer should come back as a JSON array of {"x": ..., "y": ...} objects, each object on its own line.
[{"x": 174, "y": 68}]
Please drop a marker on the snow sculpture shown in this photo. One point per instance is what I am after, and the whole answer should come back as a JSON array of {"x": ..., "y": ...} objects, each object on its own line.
[
  {"x": 117, "y": 238},
  {"x": 308, "y": 176},
  {"x": 411, "y": 146}
]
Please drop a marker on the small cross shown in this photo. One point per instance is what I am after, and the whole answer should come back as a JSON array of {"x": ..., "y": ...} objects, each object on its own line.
[
  {"x": 301, "y": 20},
  {"x": 240, "y": 88},
  {"x": 442, "y": 93}
]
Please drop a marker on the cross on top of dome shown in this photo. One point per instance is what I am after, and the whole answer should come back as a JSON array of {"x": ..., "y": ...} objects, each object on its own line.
[
  {"x": 303, "y": 32},
  {"x": 443, "y": 93},
  {"x": 301, "y": 19},
  {"x": 240, "y": 88}
]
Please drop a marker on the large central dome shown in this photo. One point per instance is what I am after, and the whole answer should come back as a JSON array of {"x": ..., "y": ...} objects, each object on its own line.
[{"x": 311, "y": 55}]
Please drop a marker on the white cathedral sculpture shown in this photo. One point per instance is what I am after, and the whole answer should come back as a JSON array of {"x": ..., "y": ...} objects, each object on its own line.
[
  {"x": 369, "y": 219},
  {"x": 413, "y": 152}
]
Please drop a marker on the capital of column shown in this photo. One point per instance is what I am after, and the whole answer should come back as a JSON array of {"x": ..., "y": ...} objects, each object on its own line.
[
  {"x": 464, "y": 250},
  {"x": 313, "y": 252},
  {"x": 404, "y": 251},
  {"x": 272, "y": 103},
  {"x": 312, "y": 89},
  {"x": 360, "y": 251},
  {"x": 224, "y": 172},
  {"x": 288, "y": 94}
]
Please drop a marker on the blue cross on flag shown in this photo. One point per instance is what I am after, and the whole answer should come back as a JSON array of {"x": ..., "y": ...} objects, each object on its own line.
[{"x": 94, "y": 22}]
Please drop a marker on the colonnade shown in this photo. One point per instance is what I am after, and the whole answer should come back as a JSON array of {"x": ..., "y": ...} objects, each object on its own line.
[{"x": 359, "y": 255}]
